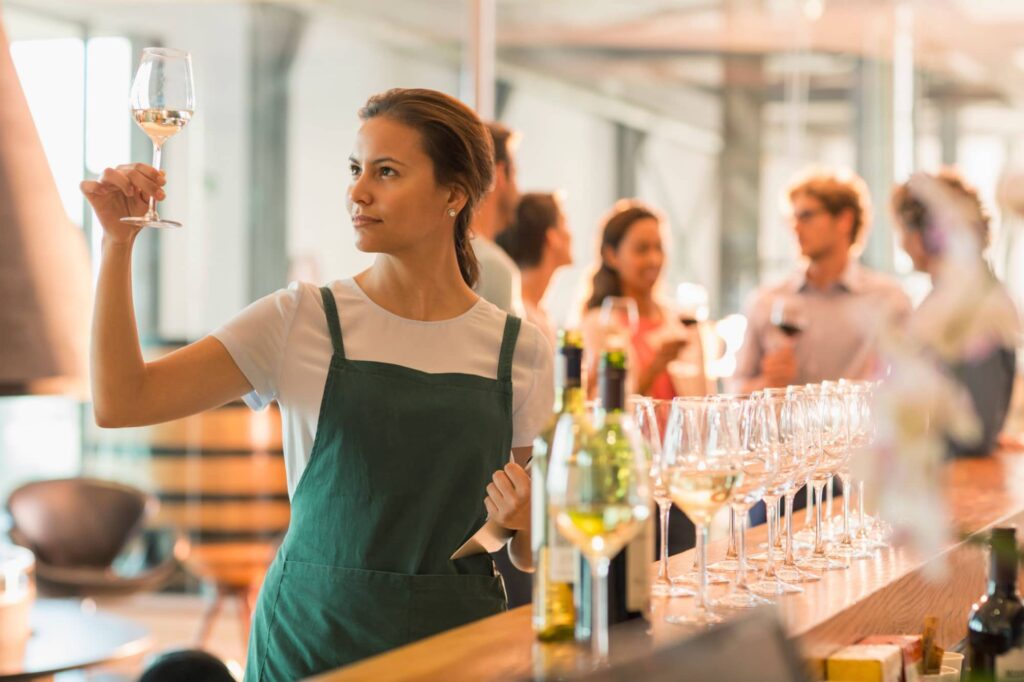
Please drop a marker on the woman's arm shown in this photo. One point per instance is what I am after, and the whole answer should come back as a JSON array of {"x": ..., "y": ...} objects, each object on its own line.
[{"x": 127, "y": 391}]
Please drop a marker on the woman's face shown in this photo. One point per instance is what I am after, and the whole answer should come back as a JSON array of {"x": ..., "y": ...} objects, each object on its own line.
[
  {"x": 639, "y": 257},
  {"x": 393, "y": 197},
  {"x": 559, "y": 242}
]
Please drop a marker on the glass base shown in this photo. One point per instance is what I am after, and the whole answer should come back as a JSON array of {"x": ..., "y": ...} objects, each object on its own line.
[
  {"x": 822, "y": 563},
  {"x": 671, "y": 589},
  {"x": 725, "y": 566},
  {"x": 692, "y": 577},
  {"x": 144, "y": 222},
  {"x": 699, "y": 618},
  {"x": 794, "y": 574},
  {"x": 770, "y": 587},
  {"x": 854, "y": 551},
  {"x": 742, "y": 598}
]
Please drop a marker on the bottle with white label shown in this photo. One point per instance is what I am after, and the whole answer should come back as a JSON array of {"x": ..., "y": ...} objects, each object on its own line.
[
  {"x": 996, "y": 623},
  {"x": 554, "y": 557}
]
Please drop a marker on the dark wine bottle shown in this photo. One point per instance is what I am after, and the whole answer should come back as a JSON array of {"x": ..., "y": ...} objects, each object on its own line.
[{"x": 996, "y": 623}]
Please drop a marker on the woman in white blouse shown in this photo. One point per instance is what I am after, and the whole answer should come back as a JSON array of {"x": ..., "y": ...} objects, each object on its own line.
[{"x": 402, "y": 395}]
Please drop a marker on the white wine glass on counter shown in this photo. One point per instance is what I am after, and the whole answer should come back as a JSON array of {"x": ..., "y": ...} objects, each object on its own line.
[
  {"x": 703, "y": 459},
  {"x": 599, "y": 493},
  {"x": 162, "y": 101}
]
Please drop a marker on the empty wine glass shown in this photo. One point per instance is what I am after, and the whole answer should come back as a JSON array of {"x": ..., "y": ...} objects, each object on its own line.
[
  {"x": 832, "y": 424},
  {"x": 758, "y": 469},
  {"x": 646, "y": 417},
  {"x": 162, "y": 102},
  {"x": 774, "y": 429}
]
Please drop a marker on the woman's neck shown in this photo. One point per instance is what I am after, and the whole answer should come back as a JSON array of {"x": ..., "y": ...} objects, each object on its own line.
[
  {"x": 417, "y": 287},
  {"x": 535, "y": 282},
  {"x": 645, "y": 305}
]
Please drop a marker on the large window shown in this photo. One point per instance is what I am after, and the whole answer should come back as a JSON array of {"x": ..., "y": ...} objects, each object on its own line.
[{"x": 77, "y": 90}]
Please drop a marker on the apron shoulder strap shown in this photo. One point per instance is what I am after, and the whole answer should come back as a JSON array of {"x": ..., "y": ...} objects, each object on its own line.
[
  {"x": 508, "y": 347},
  {"x": 331, "y": 311}
]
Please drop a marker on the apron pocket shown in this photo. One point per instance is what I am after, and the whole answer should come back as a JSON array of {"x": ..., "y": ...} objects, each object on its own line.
[
  {"x": 327, "y": 617},
  {"x": 443, "y": 602}
]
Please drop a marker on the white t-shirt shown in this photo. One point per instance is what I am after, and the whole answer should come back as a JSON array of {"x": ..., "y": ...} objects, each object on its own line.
[
  {"x": 500, "y": 281},
  {"x": 283, "y": 347}
]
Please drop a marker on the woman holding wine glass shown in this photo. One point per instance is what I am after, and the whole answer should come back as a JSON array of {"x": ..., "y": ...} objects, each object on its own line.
[
  {"x": 632, "y": 258},
  {"x": 374, "y": 557}
]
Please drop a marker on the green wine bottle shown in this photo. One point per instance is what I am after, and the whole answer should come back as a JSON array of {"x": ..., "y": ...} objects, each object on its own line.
[
  {"x": 629, "y": 574},
  {"x": 554, "y": 557}
]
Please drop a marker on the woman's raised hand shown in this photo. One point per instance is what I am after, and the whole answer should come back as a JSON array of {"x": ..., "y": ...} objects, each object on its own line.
[{"x": 122, "y": 192}]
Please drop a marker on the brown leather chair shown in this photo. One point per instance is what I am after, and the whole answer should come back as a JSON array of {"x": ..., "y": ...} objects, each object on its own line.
[{"x": 78, "y": 527}]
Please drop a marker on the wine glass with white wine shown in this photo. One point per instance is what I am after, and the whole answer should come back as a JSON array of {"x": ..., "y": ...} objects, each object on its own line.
[{"x": 162, "y": 101}]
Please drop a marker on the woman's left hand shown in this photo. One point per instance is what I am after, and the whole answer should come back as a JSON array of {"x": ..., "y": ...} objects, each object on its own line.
[{"x": 508, "y": 497}]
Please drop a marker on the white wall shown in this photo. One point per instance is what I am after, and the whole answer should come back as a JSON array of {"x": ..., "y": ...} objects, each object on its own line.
[
  {"x": 336, "y": 70},
  {"x": 566, "y": 149}
]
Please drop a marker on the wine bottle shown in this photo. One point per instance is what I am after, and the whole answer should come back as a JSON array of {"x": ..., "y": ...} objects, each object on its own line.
[
  {"x": 554, "y": 557},
  {"x": 629, "y": 574},
  {"x": 996, "y": 623}
]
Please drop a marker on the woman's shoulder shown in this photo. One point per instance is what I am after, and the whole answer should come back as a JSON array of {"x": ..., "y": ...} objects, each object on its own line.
[{"x": 531, "y": 340}]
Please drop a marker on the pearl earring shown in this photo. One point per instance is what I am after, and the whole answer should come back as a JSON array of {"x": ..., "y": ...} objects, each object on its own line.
[{"x": 452, "y": 212}]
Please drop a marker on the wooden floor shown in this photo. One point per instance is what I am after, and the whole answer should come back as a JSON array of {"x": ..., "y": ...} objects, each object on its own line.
[{"x": 173, "y": 620}]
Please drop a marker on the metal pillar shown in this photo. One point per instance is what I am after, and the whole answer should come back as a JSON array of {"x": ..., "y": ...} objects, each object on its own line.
[{"x": 740, "y": 180}]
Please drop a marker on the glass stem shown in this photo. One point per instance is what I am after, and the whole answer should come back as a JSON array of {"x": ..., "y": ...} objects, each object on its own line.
[
  {"x": 696, "y": 558},
  {"x": 809, "y": 509},
  {"x": 778, "y": 524},
  {"x": 772, "y": 508},
  {"x": 599, "y": 619},
  {"x": 151, "y": 213},
  {"x": 790, "y": 561},
  {"x": 862, "y": 531},
  {"x": 828, "y": 509},
  {"x": 741, "y": 573},
  {"x": 731, "y": 552},
  {"x": 702, "y": 567},
  {"x": 819, "y": 542},
  {"x": 664, "y": 507},
  {"x": 845, "y": 478}
]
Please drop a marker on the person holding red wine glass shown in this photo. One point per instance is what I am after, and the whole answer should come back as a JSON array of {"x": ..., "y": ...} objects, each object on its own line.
[{"x": 824, "y": 320}]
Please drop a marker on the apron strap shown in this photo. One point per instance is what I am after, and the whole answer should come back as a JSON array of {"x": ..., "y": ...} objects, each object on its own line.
[
  {"x": 331, "y": 311},
  {"x": 508, "y": 347}
]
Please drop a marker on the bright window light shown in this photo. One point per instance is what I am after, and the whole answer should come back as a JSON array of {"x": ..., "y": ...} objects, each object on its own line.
[
  {"x": 52, "y": 75},
  {"x": 108, "y": 122}
]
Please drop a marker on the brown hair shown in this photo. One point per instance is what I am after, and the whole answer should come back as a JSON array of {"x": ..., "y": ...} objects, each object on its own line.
[
  {"x": 913, "y": 214},
  {"x": 524, "y": 239},
  {"x": 606, "y": 280},
  {"x": 837, "y": 194},
  {"x": 458, "y": 144},
  {"x": 502, "y": 139}
]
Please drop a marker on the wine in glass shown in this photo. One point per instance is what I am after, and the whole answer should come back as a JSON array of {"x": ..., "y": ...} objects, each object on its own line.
[
  {"x": 162, "y": 101},
  {"x": 703, "y": 458},
  {"x": 788, "y": 315},
  {"x": 599, "y": 489}
]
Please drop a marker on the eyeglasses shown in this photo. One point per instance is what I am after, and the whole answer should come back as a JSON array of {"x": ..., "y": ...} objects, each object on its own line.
[{"x": 807, "y": 215}]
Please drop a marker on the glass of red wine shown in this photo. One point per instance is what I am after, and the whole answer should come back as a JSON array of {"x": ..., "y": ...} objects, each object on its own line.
[{"x": 788, "y": 315}]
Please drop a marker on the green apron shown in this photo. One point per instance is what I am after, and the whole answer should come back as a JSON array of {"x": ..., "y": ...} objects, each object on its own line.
[{"x": 394, "y": 485}]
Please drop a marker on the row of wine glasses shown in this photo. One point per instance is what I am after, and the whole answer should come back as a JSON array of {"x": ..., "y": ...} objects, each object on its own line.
[{"x": 738, "y": 450}]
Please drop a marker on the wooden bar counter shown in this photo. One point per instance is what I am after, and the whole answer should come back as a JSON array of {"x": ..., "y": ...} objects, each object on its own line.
[{"x": 890, "y": 593}]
